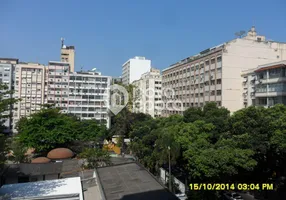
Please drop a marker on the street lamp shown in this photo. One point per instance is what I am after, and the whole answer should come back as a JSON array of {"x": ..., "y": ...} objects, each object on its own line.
[{"x": 170, "y": 185}]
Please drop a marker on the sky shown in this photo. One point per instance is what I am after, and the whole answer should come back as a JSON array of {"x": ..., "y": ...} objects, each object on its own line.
[{"x": 106, "y": 33}]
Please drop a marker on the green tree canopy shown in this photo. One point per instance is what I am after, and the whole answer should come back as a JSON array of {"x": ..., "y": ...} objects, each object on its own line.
[{"x": 50, "y": 129}]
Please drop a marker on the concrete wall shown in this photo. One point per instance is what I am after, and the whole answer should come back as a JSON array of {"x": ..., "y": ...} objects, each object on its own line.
[
  {"x": 164, "y": 175},
  {"x": 137, "y": 68},
  {"x": 243, "y": 54}
]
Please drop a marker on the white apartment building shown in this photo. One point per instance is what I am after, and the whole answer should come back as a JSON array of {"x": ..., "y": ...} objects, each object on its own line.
[
  {"x": 265, "y": 85},
  {"x": 30, "y": 88},
  {"x": 215, "y": 73},
  {"x": 148, "y": 93},
  {"x": 248, "y": 83},
  {"x": 7, "y": 67},
  {"x": 84, "y": 94},
  {"x": 134, "y": 68},
  {"x": 57, "y": 81},
  {"x": 89, "y": 96}
]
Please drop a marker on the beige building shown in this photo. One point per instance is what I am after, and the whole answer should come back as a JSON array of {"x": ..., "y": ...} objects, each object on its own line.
[
  {"x": 215, "y": 73},
  {"x": 30, "y": 88},
  {"x": 148, "y": 93},
  {"x": 68, "y": 55}
]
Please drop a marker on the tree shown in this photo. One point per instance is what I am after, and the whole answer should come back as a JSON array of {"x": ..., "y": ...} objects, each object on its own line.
[
  {"x": 6, "y": 105},
  {"x": 90, "y": 130},
  {"x": 210, "y": 113},
  {"x": 208, "y": 161},
  {"x": 48, "y": 129},
  {"x": 3, "y": 149},
  {"x": 95, "y": 157},
  {"x": 19, "y": 152}
]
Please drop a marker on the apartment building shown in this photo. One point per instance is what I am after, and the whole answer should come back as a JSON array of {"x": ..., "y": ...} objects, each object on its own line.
[
  {"x": 68, "y": 55},
  {"x": 7, "y": 67},
  {"x": 266, "y": 83},
  {"x": 148, "y": 93},
  {"x": 248, "y": 83},
  {"x": 30, "y": 88},
  {"x": 57, "y": 82},
  {"x": 134, "y": 68},
  {"x": 116, "y": 80},
  {"x": 214, "y": 75},
  {"x": 89, "y": 96}
]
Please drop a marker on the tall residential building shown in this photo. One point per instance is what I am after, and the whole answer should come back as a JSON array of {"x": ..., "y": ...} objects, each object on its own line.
[
  {"x": 7, "y": 66},
  {"x": 30, "y": 88},
  {"x": 116, "y": 80},
  {"x": 148, "y": 93},
  {"x": 57, "y": 81},
  {"x": 134, "y": 68},
  {"x": 265, "y": 85},
  {"x": 89, "y": 96},
  {"x": 215, "y": 73},
  {"x": 248, "y": 84},
  {"x": 68, "y": 55}
]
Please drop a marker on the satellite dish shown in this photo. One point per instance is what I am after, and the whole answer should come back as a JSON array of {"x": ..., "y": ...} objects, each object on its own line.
[{"x": 240, "y": 34}]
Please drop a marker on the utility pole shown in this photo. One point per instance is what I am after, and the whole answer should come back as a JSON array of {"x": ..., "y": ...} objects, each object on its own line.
[{"x": 170, "y": 184}]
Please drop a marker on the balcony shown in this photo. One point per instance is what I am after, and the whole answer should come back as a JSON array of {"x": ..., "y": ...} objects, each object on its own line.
[
  {"x": 207, "y": 68},
  {"x": 201, "y": 99},
  {"x": 218, "y": 98},
  {"x": 218, "y": 75},
  {"x": 212, "y": 98}
]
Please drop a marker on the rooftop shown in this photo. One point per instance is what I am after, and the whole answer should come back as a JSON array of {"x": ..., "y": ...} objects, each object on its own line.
[
  {"x": 50, "y": 189},
  {"x": 10, "y": 59},
  {"x": 195, "y": 57},
  {"x": 131, "y": 181}
]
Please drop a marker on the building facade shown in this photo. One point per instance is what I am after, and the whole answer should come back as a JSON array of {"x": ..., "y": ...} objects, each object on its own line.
[
  {"x": 248, "y": 83},
  {"x": 84, "y": 94},
  {"x": 267, "y": 83},
  {"x": 148, "y": 93},
  {"x": 7, "y": 68},
  {"x": 30, "y": 88},
  {"x": 57, "y": 82},
  {"x": 134, "y": 68},
  {"x": 116, "y": 80},
  {"x": 214, "y": 75},
  {"x": 68, "y": 55},
  {"x": 89, "y": 96}
]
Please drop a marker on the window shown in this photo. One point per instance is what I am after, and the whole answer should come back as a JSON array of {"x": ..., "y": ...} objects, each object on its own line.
[
  {"x": 218, "y": 81},
  {"x": 218, "y": 92}
]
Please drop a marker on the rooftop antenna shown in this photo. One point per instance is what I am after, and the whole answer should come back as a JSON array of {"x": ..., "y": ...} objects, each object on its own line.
[
  {"x": 62, "y": 40},
  {"x": 81, "y": 69},
  {"x": 240, "y": 34}
]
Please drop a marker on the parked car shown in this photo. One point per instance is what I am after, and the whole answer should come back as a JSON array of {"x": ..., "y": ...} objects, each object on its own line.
[{"x": 232, "y": 196}]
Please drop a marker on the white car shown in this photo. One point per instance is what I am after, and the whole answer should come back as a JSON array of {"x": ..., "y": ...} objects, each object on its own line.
[{"x": 232, "y": 196}]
